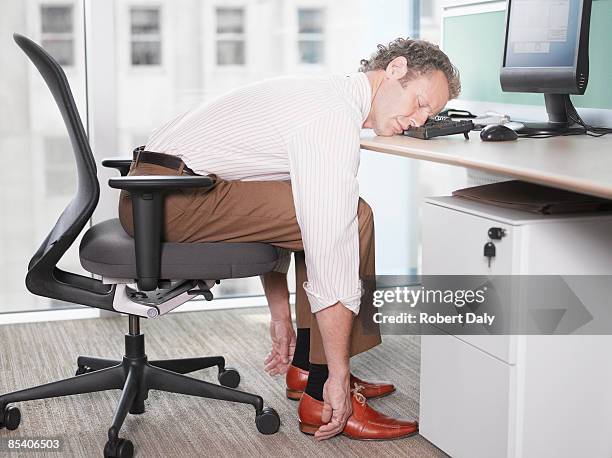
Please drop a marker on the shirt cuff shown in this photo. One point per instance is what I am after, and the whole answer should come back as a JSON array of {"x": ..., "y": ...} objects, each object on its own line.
[
  {"x": 318, "y": 302},
  {"x": 283, "y": 261}
]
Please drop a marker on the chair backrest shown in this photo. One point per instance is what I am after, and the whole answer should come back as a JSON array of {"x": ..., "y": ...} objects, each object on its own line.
[{"x": 43, "y": 277}]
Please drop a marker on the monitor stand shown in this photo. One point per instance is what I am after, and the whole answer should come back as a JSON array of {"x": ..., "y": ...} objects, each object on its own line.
[
  {"x": 557, "y": 106},
  {"x": 550, "y": 128}
]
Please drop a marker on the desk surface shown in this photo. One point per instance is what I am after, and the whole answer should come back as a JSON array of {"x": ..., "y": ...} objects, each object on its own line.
[{"x": 576, "y": 163}]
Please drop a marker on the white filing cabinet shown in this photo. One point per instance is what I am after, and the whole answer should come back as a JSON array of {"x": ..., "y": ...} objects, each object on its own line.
[{"x": 516, "y": 396}]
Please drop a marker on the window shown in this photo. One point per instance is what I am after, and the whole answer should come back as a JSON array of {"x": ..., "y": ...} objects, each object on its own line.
[
  {"x": 57, "y": 33},
  {"x": 230, "y": 36},
  {"x": 311, "y": 46},
  {"x": 145, "y": 36},
  {"x": 60, "y": 168}
]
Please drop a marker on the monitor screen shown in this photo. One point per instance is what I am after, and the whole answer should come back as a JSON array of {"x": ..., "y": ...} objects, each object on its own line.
[{"x": 542, "y": 33}]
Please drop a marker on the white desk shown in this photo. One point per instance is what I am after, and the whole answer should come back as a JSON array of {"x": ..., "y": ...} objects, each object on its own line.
[
  {"x": 576, "y": 163},
  {"x": 480, "y": 402}
]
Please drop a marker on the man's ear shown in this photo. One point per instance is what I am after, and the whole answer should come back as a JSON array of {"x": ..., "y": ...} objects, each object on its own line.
[{"x": 397, "y": 68}]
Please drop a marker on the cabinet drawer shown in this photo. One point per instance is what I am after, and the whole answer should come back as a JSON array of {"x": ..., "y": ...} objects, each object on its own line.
[
  {"x": 464, "y": 398},
  {"x": 453, "y": 244}
]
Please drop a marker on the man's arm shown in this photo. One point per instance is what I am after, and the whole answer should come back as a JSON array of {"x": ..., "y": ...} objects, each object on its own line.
[
  {"x": 277, "y": 294},
  {"x": 335, "y": 325},
  {"x": 324, "y": 158}
]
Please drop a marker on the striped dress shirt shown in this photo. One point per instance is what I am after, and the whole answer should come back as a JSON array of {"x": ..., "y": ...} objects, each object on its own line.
[{"x": 303, "y": 129}]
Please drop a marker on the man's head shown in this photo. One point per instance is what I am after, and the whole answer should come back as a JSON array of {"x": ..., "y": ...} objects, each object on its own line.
[{"x": 411, "y": 81}]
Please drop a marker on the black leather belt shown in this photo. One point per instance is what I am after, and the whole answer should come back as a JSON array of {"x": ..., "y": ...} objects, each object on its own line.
[{"x": 164, "y": 160}]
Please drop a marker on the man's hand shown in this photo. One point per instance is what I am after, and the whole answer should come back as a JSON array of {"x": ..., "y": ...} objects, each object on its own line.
[
  {"x": 281, "y": 329},
  {"x": 337, "y": 407},
  {"x": 283, "y": 346}
]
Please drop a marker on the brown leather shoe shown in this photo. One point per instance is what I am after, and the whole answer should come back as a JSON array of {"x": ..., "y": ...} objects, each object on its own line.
[
  {"x": 373, "y": 390},
  {"x": 364, "y": 424},
  {"x": 297, "y": 378}
]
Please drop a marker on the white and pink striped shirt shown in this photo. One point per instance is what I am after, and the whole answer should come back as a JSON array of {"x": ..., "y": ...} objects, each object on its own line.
[{"x": 303, "y": 129}]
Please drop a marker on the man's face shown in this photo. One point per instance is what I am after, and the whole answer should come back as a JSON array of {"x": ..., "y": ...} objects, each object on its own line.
[{"x": 395, "y": 107}]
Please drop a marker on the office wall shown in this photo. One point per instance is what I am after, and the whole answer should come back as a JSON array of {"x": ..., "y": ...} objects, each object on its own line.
[{"x": 475, "y": 43}]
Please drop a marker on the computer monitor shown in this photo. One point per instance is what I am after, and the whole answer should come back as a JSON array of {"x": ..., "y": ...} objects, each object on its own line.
[{"x": 547, "y": 51}]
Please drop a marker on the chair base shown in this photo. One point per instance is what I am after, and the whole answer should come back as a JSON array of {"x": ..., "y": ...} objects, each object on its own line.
[{"x": 135, "y": 376}]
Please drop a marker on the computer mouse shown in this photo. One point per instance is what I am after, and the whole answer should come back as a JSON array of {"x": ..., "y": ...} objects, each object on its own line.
[{"x": 497, "y": 133}]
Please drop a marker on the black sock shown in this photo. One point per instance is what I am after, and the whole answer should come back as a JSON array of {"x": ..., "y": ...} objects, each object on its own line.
[
  {"x": 316, "y": 379},
  {"x": 302, "y": 349}
]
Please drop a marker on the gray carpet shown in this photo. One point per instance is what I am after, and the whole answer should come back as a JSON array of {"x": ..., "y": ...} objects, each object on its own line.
[{"x": 176, "y": 425}]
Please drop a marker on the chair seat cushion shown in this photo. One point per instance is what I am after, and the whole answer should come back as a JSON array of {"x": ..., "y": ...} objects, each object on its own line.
[{"x": 107, "y": 250}]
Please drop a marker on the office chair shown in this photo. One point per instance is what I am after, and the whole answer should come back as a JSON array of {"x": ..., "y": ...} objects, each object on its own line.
[{"x": 141, "y": 277}]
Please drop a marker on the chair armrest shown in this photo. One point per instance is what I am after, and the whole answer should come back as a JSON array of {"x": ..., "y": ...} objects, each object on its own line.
[
  {"x": 147, "y": 194},
  {"x": 123, "y": 165},
  {"x": 158, "y": 183}
]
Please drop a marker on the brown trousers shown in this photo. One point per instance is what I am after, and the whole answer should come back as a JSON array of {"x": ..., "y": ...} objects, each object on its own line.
[{"x": 259, "y": 211}]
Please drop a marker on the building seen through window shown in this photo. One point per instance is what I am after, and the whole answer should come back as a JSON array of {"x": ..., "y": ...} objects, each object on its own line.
[
  {"x": 311, "y": 45},
  {"x": 57, "y": 32},
  {"x": 230, "y": 36},
  {"x": 145, "y": 30}
]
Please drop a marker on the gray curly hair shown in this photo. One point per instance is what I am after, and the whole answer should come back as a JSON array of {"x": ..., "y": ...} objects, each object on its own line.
[{"x": 423, "y": 57}]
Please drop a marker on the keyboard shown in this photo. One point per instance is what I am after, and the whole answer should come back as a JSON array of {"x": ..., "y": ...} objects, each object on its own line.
[{"x": 440, "y": 125}]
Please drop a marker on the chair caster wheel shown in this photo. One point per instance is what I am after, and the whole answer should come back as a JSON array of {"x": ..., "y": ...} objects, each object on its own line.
[
  {"x": 267, "y": 421},
  {"x": 83, "y": 370},
  {"x": 229, "y": 377},
  {"x": 120, "y": 448},
  {"x": 10, "y": 419}
]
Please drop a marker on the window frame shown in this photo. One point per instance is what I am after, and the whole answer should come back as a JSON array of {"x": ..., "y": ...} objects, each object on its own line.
[
  {"x": 310, "y": 36},
  {"x": 148, "y": 37},
  {"x": 230, "y": 36},
  {"x": 59, "y": 36}
]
